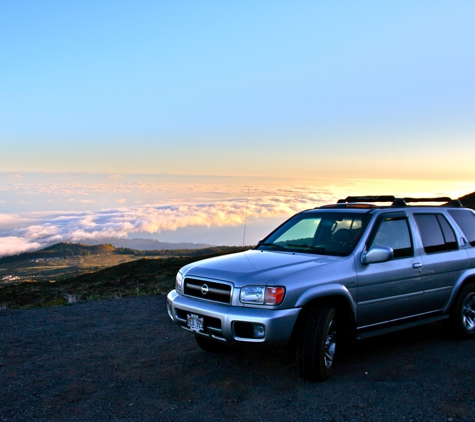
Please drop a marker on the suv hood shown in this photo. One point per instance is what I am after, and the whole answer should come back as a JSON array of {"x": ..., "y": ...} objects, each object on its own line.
[{"x": 254, "y": 266}]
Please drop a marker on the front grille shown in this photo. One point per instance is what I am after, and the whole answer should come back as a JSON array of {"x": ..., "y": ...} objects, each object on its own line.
[{"x": 208, "y": 290}]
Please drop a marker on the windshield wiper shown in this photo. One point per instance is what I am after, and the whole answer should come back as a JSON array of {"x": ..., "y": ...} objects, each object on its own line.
[
  {"x": 273, "y": 245},
  {"x": 304, "y": 246}
]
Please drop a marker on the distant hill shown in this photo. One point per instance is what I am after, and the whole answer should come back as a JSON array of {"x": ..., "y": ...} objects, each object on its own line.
[
  {"x": 66, "y": 248},
  {"x": 468, "y": 200},
  {"x": 60, "y": 250},
  {"x": 147, "y": 244}
]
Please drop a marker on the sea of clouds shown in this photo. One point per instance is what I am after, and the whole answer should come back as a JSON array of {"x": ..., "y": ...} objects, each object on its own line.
[{"x": 35, "y": 230}]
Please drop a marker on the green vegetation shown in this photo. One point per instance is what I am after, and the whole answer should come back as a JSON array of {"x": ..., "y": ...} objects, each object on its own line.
[{"x": 136, "y": 278}]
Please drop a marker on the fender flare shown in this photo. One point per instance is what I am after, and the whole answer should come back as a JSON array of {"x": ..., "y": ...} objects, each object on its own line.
[
  {"x": 458, "y": 286},
  {"x": 332, "y": 289}
]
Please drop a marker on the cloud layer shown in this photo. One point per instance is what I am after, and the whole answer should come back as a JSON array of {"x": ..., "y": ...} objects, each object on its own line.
[{"x": 42, "y": 229}]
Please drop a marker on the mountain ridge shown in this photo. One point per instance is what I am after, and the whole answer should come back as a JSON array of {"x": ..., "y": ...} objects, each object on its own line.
[
  {"x": 468, "y": 201},
  {"x": 146, "y": 244}
]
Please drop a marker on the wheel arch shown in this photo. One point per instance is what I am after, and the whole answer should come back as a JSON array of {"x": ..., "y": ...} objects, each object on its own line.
[
  {"x": 467, "y": 277},
  {"x": 344, "y": 306},
  {"x": 328, "y": 292}
]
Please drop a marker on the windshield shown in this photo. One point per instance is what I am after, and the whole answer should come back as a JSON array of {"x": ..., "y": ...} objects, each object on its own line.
[{"x": 320, "y": 233}]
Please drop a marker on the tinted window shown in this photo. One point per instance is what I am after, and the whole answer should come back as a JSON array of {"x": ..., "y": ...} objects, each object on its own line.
[
  {"x": 393, "y": 232},
  {"x": 436, "y": 233},
  {"x": 466, "y": 221},
  {"x": 448, "y": 232}
]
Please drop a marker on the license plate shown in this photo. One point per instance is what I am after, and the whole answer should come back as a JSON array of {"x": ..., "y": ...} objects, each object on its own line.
[{"x": 194, "y": 322}]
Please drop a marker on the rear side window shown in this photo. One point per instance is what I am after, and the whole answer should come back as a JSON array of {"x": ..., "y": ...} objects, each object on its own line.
[
  {"x": 436, "y": 233},
  {"x": 466, "y": 221}
]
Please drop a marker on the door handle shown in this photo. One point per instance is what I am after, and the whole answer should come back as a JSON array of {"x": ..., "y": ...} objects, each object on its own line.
[{"x": 417, "y": 266}]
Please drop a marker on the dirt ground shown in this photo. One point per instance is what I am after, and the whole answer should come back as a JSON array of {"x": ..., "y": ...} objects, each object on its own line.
[{"x": 124, "y": 360}]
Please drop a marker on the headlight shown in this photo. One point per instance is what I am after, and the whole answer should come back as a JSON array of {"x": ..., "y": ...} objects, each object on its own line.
[
  {"x": 253, "y": 294},
  {"x": 262, "y": 295},
  {"x": 179, "y": 283}
]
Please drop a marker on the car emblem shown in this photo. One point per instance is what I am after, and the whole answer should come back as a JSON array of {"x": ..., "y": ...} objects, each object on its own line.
[{"x": 204, "y": 289}]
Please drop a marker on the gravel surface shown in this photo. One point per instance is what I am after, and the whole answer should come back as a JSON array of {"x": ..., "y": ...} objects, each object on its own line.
[{"x": 124, "y": 360}]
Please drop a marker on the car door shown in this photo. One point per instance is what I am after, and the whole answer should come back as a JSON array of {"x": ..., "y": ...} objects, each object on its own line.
[
  {"x": 442, "y": 259},
  {"x": 389, "y": 290}
]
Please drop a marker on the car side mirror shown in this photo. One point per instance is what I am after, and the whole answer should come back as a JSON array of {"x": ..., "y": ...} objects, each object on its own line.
[{"x": 377, "y": 254}]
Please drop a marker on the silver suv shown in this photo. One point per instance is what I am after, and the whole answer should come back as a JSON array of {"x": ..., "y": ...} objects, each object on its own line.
[{"x": 333, "y": 274}]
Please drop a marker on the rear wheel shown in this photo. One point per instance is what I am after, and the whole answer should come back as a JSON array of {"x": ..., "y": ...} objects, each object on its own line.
[
  {"x": 211, "y": 346},
  {"x": 317, "y": 345},
  {"x": 463, "y": 316}
]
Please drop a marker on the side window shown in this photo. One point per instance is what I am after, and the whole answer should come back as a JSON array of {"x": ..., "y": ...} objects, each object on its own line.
[
  {"x": 394, "y": 232},
  {"x": 466, "y": 221},
  {"x": 449, "y": 235},
  {"x": 436, "y": 233}
]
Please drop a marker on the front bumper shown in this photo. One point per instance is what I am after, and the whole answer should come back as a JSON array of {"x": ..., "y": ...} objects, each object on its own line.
[{"x": 226, "y": 323}]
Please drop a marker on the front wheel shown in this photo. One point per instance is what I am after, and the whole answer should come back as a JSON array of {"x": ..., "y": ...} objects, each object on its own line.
[
  {"x": 317, "y": 345},
  {"x": 463, "y": 316}
]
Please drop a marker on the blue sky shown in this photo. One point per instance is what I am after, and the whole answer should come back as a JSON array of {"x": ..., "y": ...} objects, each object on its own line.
[
  {"x": 237, "y": 87},
  {"x": 306, "y": 92}
]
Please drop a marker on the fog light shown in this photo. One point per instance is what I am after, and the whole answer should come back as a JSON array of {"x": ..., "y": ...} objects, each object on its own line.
[
  {"x": 259, "y": 331},
  {"x": 249, "y": 330}
]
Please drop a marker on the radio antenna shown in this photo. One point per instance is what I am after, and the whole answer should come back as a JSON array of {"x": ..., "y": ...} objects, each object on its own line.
[{"x": 245, "y": 219}]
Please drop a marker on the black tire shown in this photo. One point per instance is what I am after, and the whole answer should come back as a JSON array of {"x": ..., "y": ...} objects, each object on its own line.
[
  {"x": 211, "y": 346},
  {"x": 462, "y": 319},
  {"x": 317, "y": 344}
]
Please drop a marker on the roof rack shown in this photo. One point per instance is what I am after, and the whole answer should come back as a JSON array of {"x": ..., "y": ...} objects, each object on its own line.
[
  {"x": 349, "y": 205},
  {"x": 398, "y": 202},
  {"x": 380, "y": 198}
]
